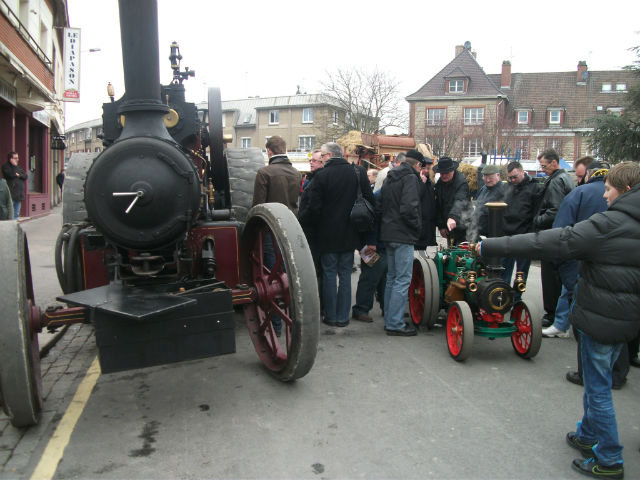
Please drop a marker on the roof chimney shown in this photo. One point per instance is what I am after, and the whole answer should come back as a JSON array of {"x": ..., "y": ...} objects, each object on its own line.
[
  {"x": 459, "y": 49},
  {"x": 582, "y": 72},
  {"x": 505, "y": 78}
]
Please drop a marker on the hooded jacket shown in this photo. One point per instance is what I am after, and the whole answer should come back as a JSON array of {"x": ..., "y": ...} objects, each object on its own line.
[
  {"x": 399, "y": 206},
  {"x": 608, "y": 243},
  {"x": 452, "y": 199}
]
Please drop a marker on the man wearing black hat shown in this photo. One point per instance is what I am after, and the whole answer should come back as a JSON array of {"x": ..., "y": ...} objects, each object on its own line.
[
  {"x": 400, "y": 212},
  {"x": 452, "y": 199}
]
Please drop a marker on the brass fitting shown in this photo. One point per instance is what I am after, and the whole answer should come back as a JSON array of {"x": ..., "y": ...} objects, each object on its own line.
[{"x": 520, "y": 284}]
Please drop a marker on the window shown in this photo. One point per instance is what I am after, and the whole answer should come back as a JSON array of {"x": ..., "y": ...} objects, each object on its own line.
[
  {"x": 436, "y": 116},
  {"x": 456, "y": 86},
  {"x": 247, "y": 118},
  {"x": 615, "y": 111},
  {"x": 471, "y": 147},
  {"x": 307, "y": 115},
  {"x": 556, "y": 144},
  {"x": 555, "y": 117},
  {"x": 606, "y": 87},
  {"x": 473, "y": 116},
  {"x": 334, "y": 117},
  {"x": 246, "y": 142},
  {"x": 621, "y": 87},
  {"x": 437, "y": 145},
  {"x": 306, "y": 142},
  {"x": 523, "y": 117},
  {"x": 274, "y": 117},
  {"x": 521, "y": 148}
]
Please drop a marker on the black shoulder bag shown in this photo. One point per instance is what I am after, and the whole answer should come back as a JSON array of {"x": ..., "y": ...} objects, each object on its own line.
[{"x": 362, "y": 213}]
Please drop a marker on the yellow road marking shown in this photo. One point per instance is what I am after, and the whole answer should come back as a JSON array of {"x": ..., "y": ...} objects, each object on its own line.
[{"x": 52, "y": 455}]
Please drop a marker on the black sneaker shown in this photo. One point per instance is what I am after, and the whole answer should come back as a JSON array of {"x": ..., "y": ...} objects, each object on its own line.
[
  {"x": 585, "y": 448},
  {"x": 405, "y": 331},
  {"x": 591, "y": 467}
]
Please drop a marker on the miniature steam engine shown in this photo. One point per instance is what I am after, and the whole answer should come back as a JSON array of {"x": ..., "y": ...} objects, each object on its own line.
[
  {"x": 167, "y": 245},
  {"x": 476, "y": 297}
]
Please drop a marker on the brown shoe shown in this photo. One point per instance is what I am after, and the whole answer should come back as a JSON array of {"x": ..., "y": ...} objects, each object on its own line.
[{"x": 362, "y": 317}]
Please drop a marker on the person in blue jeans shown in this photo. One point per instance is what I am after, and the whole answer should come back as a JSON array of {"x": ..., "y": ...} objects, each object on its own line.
[
  {"x": 608, "y": 289},
  {"x": 400, "y": 212},
  {"x": 578, "y": 205}
]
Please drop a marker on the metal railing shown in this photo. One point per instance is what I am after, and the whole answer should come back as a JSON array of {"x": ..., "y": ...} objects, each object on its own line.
[{"x": 24, "y": 33}]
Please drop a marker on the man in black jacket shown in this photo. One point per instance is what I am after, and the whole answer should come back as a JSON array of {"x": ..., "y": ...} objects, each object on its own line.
[
  {"x": 399, "y": 209},
  {"x": 331, "y": 196},
  {"x": 452, "y": 200},
  {"x": 555, "y": 188},
  {"x": 521, "y": 196},
  {"x": 16, "y": 178},
  {"x": 428, "y": 202},
  {"x": 608, "y": 290}
]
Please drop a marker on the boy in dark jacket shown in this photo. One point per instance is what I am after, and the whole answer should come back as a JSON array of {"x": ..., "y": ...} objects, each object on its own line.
[{"x": 608, "y": 290}]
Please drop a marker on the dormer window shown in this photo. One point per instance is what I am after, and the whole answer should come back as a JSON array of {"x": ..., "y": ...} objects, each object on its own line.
[
  {"x": 456, "y": 85},
  {"x": 606, "y": 87},
  {"x": 555, "y": 116},
  {"x": 621, "y": 87},
  {"x": 523, "y": 117}
]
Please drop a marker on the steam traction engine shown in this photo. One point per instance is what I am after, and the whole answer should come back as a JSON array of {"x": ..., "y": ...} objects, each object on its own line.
[
  {"x": 167, "y": 245},
  {"x": 475, "y": 296}
]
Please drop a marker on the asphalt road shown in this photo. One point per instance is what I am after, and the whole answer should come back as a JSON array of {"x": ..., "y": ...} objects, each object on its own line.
[{"x": 372, "y": 407}]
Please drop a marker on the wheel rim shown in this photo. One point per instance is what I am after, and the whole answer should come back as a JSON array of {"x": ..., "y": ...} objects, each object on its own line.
[
  {"x": 20, "y": 376},
  {"x": 522, "y": 337},
  {"x": 417, "y": 294},
  {"x": 455, "y": 330},
  {"x": 288, "y": 290}
]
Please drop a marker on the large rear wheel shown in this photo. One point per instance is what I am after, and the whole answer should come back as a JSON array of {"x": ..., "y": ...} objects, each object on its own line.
[
  {"x": 20, "y": 378},
  {"x": 424, "y": 291},
  {"x": 277, "y": 262},
  {"x": 459, "y": 331}
]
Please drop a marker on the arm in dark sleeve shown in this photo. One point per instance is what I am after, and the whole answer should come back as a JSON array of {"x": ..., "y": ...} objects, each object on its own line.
[
  {"x": 260, "y": 189},
  {"x": 555, "y": 195},
  {"x": 23, "y": 174}
]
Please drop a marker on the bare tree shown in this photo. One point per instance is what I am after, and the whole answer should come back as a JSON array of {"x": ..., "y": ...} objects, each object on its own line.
[{"x": 370, "y": 99}]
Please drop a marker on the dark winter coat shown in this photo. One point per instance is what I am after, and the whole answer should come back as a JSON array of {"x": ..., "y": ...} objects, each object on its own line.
[
  {"x": 331, "y": 195},
  {"x": 521, "y": 203},
  {"x": 452, "y": 200},
  {"x": 555, "y": 188},
  {"x": 607, "y": 243},
  {"x": 16, "y": 178},
  {"x": 486, "y": 195},
  {"x": 278, "y": 182},
  {"x": 6, "y": 205},
  {"x": 428, "y": 203},
  {"x": 399, "y": 206}
]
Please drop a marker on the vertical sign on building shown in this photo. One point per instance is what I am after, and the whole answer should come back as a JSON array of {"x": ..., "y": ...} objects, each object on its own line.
[{"x": 71, "y": 65}]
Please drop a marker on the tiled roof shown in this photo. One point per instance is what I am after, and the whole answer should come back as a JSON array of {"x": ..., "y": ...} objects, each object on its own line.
[
  {"x": 463, "y": 65},
  {"x": 96, "y": 122},
  {"x": 539, "y": 91}
]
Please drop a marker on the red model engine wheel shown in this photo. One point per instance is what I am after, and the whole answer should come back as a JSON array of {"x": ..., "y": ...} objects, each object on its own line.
[
  {"x": 459, "y": 331},
  {"x": 288, "y": 291},
  {"x": 424, "y": 291},
  {"x": 20, "y": 378},
  {"x": 527, "y": 339}
]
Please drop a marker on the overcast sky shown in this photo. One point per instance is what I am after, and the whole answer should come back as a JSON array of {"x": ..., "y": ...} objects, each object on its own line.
[{"x": 267, "y": 48}]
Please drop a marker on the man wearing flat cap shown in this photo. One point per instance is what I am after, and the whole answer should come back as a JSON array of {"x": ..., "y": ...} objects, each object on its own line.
[
  {"x": 492, "y": 191},
  {"x": 452, "y": 200}
]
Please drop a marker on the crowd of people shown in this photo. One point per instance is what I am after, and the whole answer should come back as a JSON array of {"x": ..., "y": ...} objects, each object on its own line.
[{"x": 583, "y": 232}]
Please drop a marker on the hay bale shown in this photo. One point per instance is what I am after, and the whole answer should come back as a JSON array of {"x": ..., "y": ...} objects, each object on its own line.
[
  {"x": 350, "y": 141},
  {"x": 471, "y": 174}
]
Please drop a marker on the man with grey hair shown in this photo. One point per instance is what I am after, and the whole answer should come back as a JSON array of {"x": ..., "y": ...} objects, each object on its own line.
[{"x": 331, "y": 196}]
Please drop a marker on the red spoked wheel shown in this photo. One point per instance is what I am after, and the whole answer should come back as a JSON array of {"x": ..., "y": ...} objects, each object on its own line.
[
  {"x": 20, "y": 377},
  {"x": 277, "y": 262},
  {"x": 424, "y": 291},
  {"x": 459, "y": 331},
  {"x": 527, "y": 339}
]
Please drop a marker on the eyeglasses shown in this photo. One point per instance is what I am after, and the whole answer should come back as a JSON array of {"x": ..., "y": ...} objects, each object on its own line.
[
  {"x": 513, "y": 177},
  {"x": 316, "y": 160},
  {"x": 322, "y": 155},
  {"x": 544, "y": 165}
]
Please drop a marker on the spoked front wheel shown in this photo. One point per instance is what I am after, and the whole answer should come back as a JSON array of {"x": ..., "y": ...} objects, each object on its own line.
[
  {"x": 284, "y": 322},
  {"x": 527, "y": 339},
  {"x": 459, "y": 331},
  {"x": 20, "y": 378}
]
